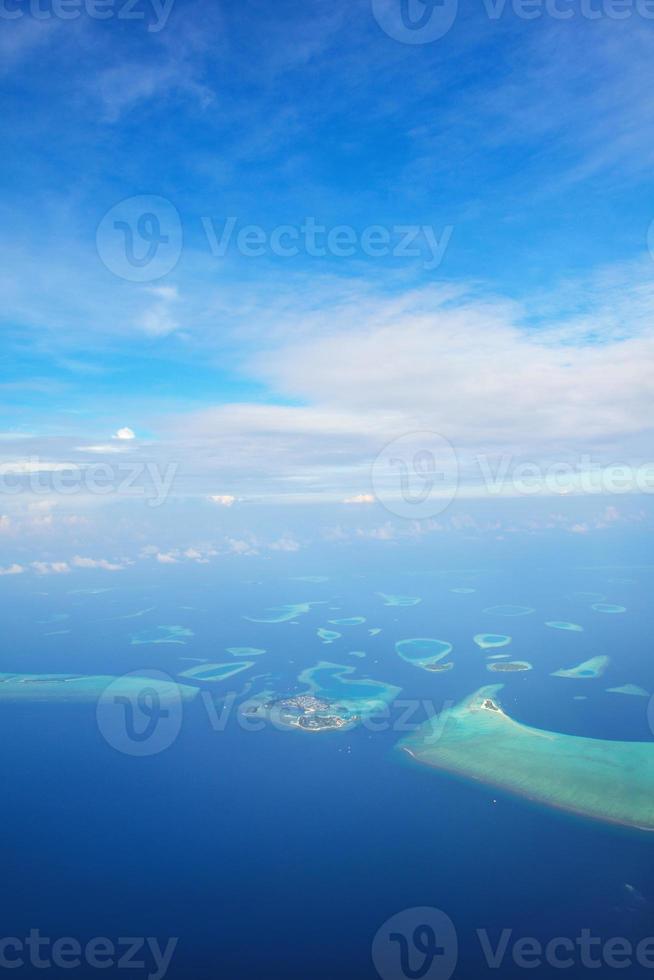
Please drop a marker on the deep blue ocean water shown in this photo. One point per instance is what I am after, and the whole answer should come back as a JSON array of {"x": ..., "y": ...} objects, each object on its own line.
[{"x": 275, "y": 853}]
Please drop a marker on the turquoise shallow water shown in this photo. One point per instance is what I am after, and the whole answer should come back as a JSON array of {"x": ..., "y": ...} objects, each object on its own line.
[
  {"x": 339, "y": 683},
  {"x": 423, "y": 650}
]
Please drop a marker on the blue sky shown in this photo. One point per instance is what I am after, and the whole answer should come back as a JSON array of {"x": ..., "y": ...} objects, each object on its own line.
[{"x": 515, "y": 154}]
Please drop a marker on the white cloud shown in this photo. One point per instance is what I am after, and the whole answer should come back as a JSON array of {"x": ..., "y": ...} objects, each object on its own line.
[
  {"x": 239, "y": 546},
  {"x": 166, "y": 558},
  {"x": 360, "y": 498},
  {"x": 101, "y": 448},
  {"x": 476, "y": 372},
  {"x": 287, "y": 543},
  {"x": 14, "y": 569},
  {"x": 51, "y": 567},
  {"x": 80, "y": 562},
  {"x": 384, "y": 533},
  {"x": 124, "y": 433},
  {"x": 223, "y": 499},
  {"x": 158, "y": 319}
]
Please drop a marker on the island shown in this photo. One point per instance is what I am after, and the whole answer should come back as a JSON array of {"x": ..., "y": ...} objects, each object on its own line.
[
  {"x": 558, "y": 624},
  {"x": 423, "y": 651},
  {"x": 89, "y": 687},
  {"x": 594, "y": 667},
  {"x": 508, "y": 610},
  {"x": 632, "y": 689},
  {"x": 216, "y": 672},
  {"x": 161, "y": 634},
  {"x": 283, "y": 614},
  {"x": 327, "y": 635},
  {"x": 489, "y": 641},
  {"x": 509, "y": 666},
  {"x": 301, "y": 711},
  {"x": 333, "y": 698},
  {"x": 351, "y": 695},
  {"x": 611, "y": 781},
  {"x": 399, "y": 600}
]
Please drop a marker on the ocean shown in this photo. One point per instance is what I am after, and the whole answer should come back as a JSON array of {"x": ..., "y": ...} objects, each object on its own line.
[{"x": 275, "y": 852}]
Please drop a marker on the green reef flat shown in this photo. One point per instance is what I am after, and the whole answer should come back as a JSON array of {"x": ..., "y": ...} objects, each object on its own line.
[
  {"x": 594, "y": 667},
  {"x": 423, "y": 651},
  {"x": 633, "y": 689},
  {"x": 282, "y": 614},
  {"x": 334, "y": 683},
  {"x": 489, "y": 640},
  {"x": 161, "y": 634},
  {"x": 463, "y": 591},
  {"x": 245, "y": 651},
  {"x": 399, "y": 600},
  {"x": 375, "y": 631},
  {"x": 348, "y": 621},
  {"x": 509, "y": 610},
  {"x": 556, "y": 624},
  {"x": 588, "y": 596},
  {"x": 437, "y": 668},
  {"x": 605, "y": 780},
  {"x": 608, "y": 607},
  {"x": 80, "y": 688},
  {"x": 217, "y": 672},
  {"x": 499, "y": 656},
  {"x": 358, "y": 653},
  {"x": 315, "y": 579},
  {"x": 509, "y": 666}
]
